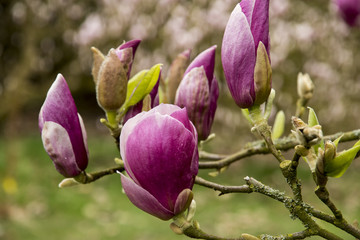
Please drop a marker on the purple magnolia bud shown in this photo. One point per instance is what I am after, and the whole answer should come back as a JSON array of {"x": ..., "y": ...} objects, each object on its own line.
[
  {"x": 245, "y": 53},
  {"x": 349, "y": 10},
  {"x": 199, "y": 91},
  {"x": 159, "y": 149},
  {"x": 62, "y": 130}
]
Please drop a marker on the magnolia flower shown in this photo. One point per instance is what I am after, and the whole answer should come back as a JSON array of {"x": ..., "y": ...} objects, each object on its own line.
[
  {"x": 199, "y": 91},
  {"x": 62, "y": 130},
  {"x": 159, "y": 149},
  {"x": 245, "y": 53}
]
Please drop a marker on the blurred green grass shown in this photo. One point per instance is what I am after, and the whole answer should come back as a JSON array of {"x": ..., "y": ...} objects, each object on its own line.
[{"x": 38, "y": 209}]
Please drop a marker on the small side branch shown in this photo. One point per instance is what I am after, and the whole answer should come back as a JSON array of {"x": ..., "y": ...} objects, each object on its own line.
[
  {"x": 223, "y": 189},
  {"x": 342, "y": 224},
  {"x": 259, "y": 147},
  {"x": 324, "y": 196}
]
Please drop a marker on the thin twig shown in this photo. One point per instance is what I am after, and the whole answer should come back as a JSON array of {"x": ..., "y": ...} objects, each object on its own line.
[
  {"x": 324, "y": 196},
  {"x": 223, "y": 189},
  {"x": 259, "y": 147}
]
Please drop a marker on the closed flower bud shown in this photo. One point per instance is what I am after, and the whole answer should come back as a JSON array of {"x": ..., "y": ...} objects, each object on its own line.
[
  {"x": 111, "y": 74},
  {"x": 306, "y": 135},
  {"x": 337, "y": 165},
  {"x": 245, "y": 53},
  {"x": 305, "y": 86},
  {"x": 349, "y": 10},
  {"x": 112, "y": 83},
  {"x": 62, "y": 130},
  {"x": 175, "y": 75},
  {"x": 199, "y": 91},
  {"x": 159, "y": 149},
  {"x": 325, "y": 156}
]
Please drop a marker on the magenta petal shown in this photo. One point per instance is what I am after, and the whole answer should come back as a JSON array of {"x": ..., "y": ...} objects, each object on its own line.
[
  {"x": 205, "y": 59},
  {"x": 59, "y": 107},
  {"x": 133, "y": 111},
  {"x": 131, "y": 44},
  {"x": 208, "y": 121},
  {"x": 247, "y": 7},
  {"x": 238, "y": 58},
  {"x": 182, "y": 116},
  {"x": 260, "y": 24},
  {"x": 162, "y": 161},
  {"x": 144, "y": 200},
  {"x": 154, "y": 92}
]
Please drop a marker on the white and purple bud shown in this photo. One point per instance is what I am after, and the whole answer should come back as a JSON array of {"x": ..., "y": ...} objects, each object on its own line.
[
  {"x": 245, "y": 53},
  {"x": 199, "y": 91},
  {"x": 160, "y": 154},
  {"x": 62, "y": 130}
]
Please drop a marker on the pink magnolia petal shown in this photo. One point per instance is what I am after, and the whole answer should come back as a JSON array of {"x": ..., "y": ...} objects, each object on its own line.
[
  {"x": 205, "y": 59},
  {"x": 144, "y": 200},
  {"x": 247, "y": 7},
  {"x": 260, "y": 24}
]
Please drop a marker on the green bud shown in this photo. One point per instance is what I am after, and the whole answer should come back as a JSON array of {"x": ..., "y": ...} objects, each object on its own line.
[
  {"x": 305, "y": 86},
  {"x": 111, "y": 83},
  {"x": 306, "y": 135},
  {"x": 325, "y": 156},
  {"x": 262, "y": 75},
  {"x": 269, "y": 103},
  {"x": 313, "y": 121},
  {"x": 330, "y": 151},
  {"x": 338, "y": 165},
  {"x": 279, "y": 125},
  {"x": 321, "y": 178}
]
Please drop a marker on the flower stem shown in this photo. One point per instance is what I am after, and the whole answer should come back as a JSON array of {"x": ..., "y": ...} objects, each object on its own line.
[
  {"x": 261, "y": 126},
  {"x": 85, "y": 178}
]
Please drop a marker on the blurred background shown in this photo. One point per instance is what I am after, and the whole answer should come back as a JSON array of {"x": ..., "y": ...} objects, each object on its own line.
[{"x": 39, "y": 39}]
